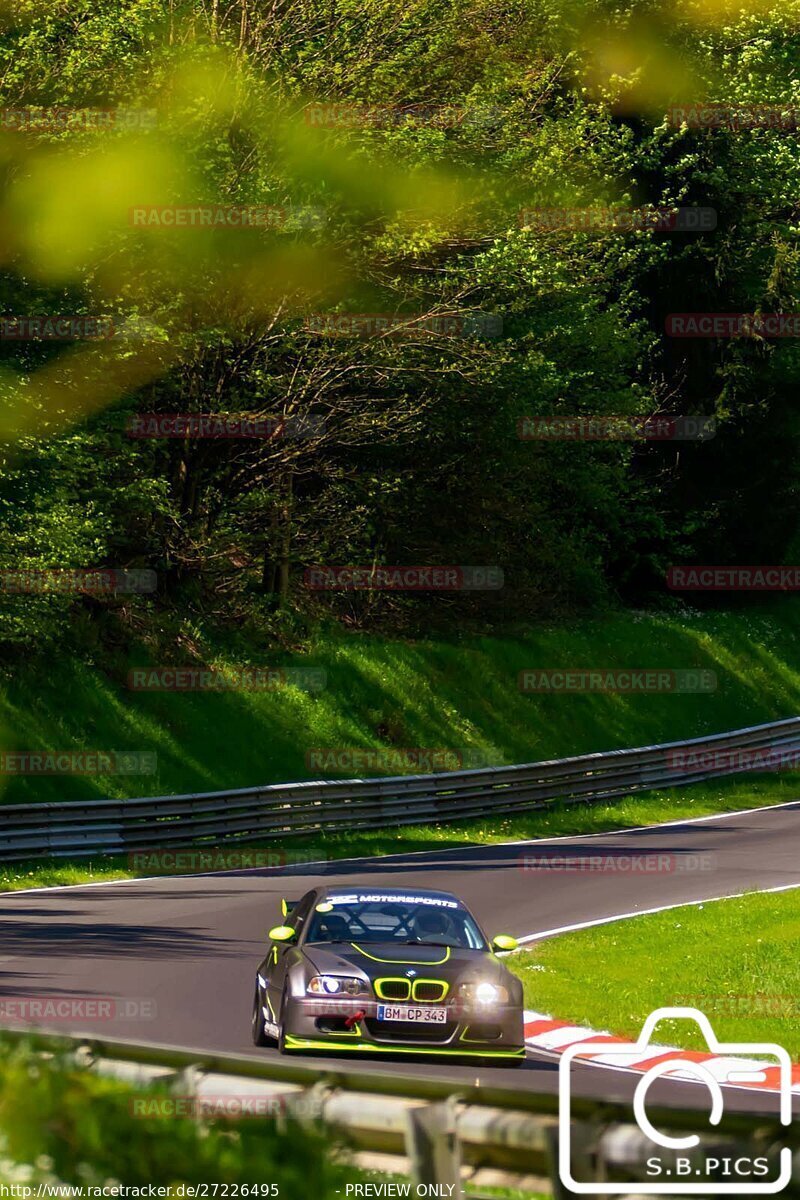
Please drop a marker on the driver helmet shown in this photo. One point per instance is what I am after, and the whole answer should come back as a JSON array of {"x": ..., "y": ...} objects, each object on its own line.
[{"x": 432, "y": 922}]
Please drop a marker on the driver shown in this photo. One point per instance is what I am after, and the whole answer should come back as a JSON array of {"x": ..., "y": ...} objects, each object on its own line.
[{"x": 433, "y": 925}]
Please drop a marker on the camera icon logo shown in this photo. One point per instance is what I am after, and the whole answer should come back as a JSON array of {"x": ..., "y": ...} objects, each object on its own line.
[{"x": 680, "y": 1165}]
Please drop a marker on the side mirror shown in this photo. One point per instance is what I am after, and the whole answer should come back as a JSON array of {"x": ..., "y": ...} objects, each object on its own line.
[
  {"x": 282, "y": 933},
  {"x": 504, "y": 941}
]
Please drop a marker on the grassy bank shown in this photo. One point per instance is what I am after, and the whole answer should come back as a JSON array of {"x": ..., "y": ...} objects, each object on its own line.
[
  {"x": 699, "y": 800},
  {"x": 734, "y": 960},
  {"x": 454, "y": 696}
]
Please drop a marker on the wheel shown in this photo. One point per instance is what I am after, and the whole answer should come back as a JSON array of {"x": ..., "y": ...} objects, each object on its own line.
[
  {"x": 282, "y": 1023},
  {"x": 260, "y": 1038}
]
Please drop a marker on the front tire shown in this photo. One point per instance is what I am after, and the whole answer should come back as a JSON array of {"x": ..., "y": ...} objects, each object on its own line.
[
  {"x": 282, "y": 1026},
  {"x": 260, "y": 1037}
]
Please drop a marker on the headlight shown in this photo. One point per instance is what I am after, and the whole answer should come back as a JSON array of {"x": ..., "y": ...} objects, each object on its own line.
[
  {"x": 483, "y": 993},
  {"x": 487, "y": 993},
  {"x": 337, "y": 985}
]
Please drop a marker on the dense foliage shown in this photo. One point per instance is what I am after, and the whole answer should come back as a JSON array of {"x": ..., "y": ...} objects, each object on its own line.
[
  {"x": 410, "y": 453},
  {"x": 60, "y": 1126}
]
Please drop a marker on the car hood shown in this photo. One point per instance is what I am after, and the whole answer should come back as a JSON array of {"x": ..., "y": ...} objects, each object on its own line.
[{"x": 376, "y": 959}]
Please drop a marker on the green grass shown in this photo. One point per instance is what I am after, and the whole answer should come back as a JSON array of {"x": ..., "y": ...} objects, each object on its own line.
[
  {"x": 734, "y": 960},
  {"x": 697, "y": 800},
  {"x": 381, "y": 694}
]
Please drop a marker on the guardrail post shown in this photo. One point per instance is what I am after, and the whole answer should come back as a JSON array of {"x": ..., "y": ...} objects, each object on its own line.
[
  {"x": 184, "y": 1082},
  {"x": 558, "y": 1189},
  {"x": 307, "y": 1106},
  {"x": 584, "y": 1157},
  {"x": 432, "y": 1145}
]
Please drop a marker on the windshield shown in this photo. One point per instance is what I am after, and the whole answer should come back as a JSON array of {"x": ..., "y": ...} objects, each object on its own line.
[{"x": 416, "y": 921}]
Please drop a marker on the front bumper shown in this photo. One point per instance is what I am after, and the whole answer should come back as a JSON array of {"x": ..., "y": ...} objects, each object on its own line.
[{"x": 353, "y": 1025}]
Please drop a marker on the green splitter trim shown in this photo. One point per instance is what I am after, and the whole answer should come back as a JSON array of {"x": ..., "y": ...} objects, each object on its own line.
[{"x": 296, "y": 1043}]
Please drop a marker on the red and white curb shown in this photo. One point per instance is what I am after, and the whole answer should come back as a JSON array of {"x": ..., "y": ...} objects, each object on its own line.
[{"x": 542, "y": 1033}]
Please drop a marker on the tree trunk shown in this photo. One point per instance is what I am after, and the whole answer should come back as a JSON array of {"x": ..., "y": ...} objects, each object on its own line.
[{"x": 284, "y": 561}]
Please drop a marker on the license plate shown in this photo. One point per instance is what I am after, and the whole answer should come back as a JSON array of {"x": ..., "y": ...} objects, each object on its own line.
[{"x": 407, "y": 1012}]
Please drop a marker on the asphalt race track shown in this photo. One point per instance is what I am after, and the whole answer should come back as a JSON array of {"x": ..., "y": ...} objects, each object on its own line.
[{"x": 186, "y": 947}]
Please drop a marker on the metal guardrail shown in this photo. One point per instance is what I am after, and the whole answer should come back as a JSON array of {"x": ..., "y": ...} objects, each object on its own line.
[
  {"x": 285, "y": 810},
  {"x": 440, "y": 1132}
]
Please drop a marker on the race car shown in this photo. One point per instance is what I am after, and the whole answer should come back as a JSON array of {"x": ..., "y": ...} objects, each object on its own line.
[{"x": 387, "y": 971}]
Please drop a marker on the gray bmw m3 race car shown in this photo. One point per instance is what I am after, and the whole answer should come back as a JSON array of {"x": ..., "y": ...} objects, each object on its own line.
[{"x": 387, "y": 971}]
